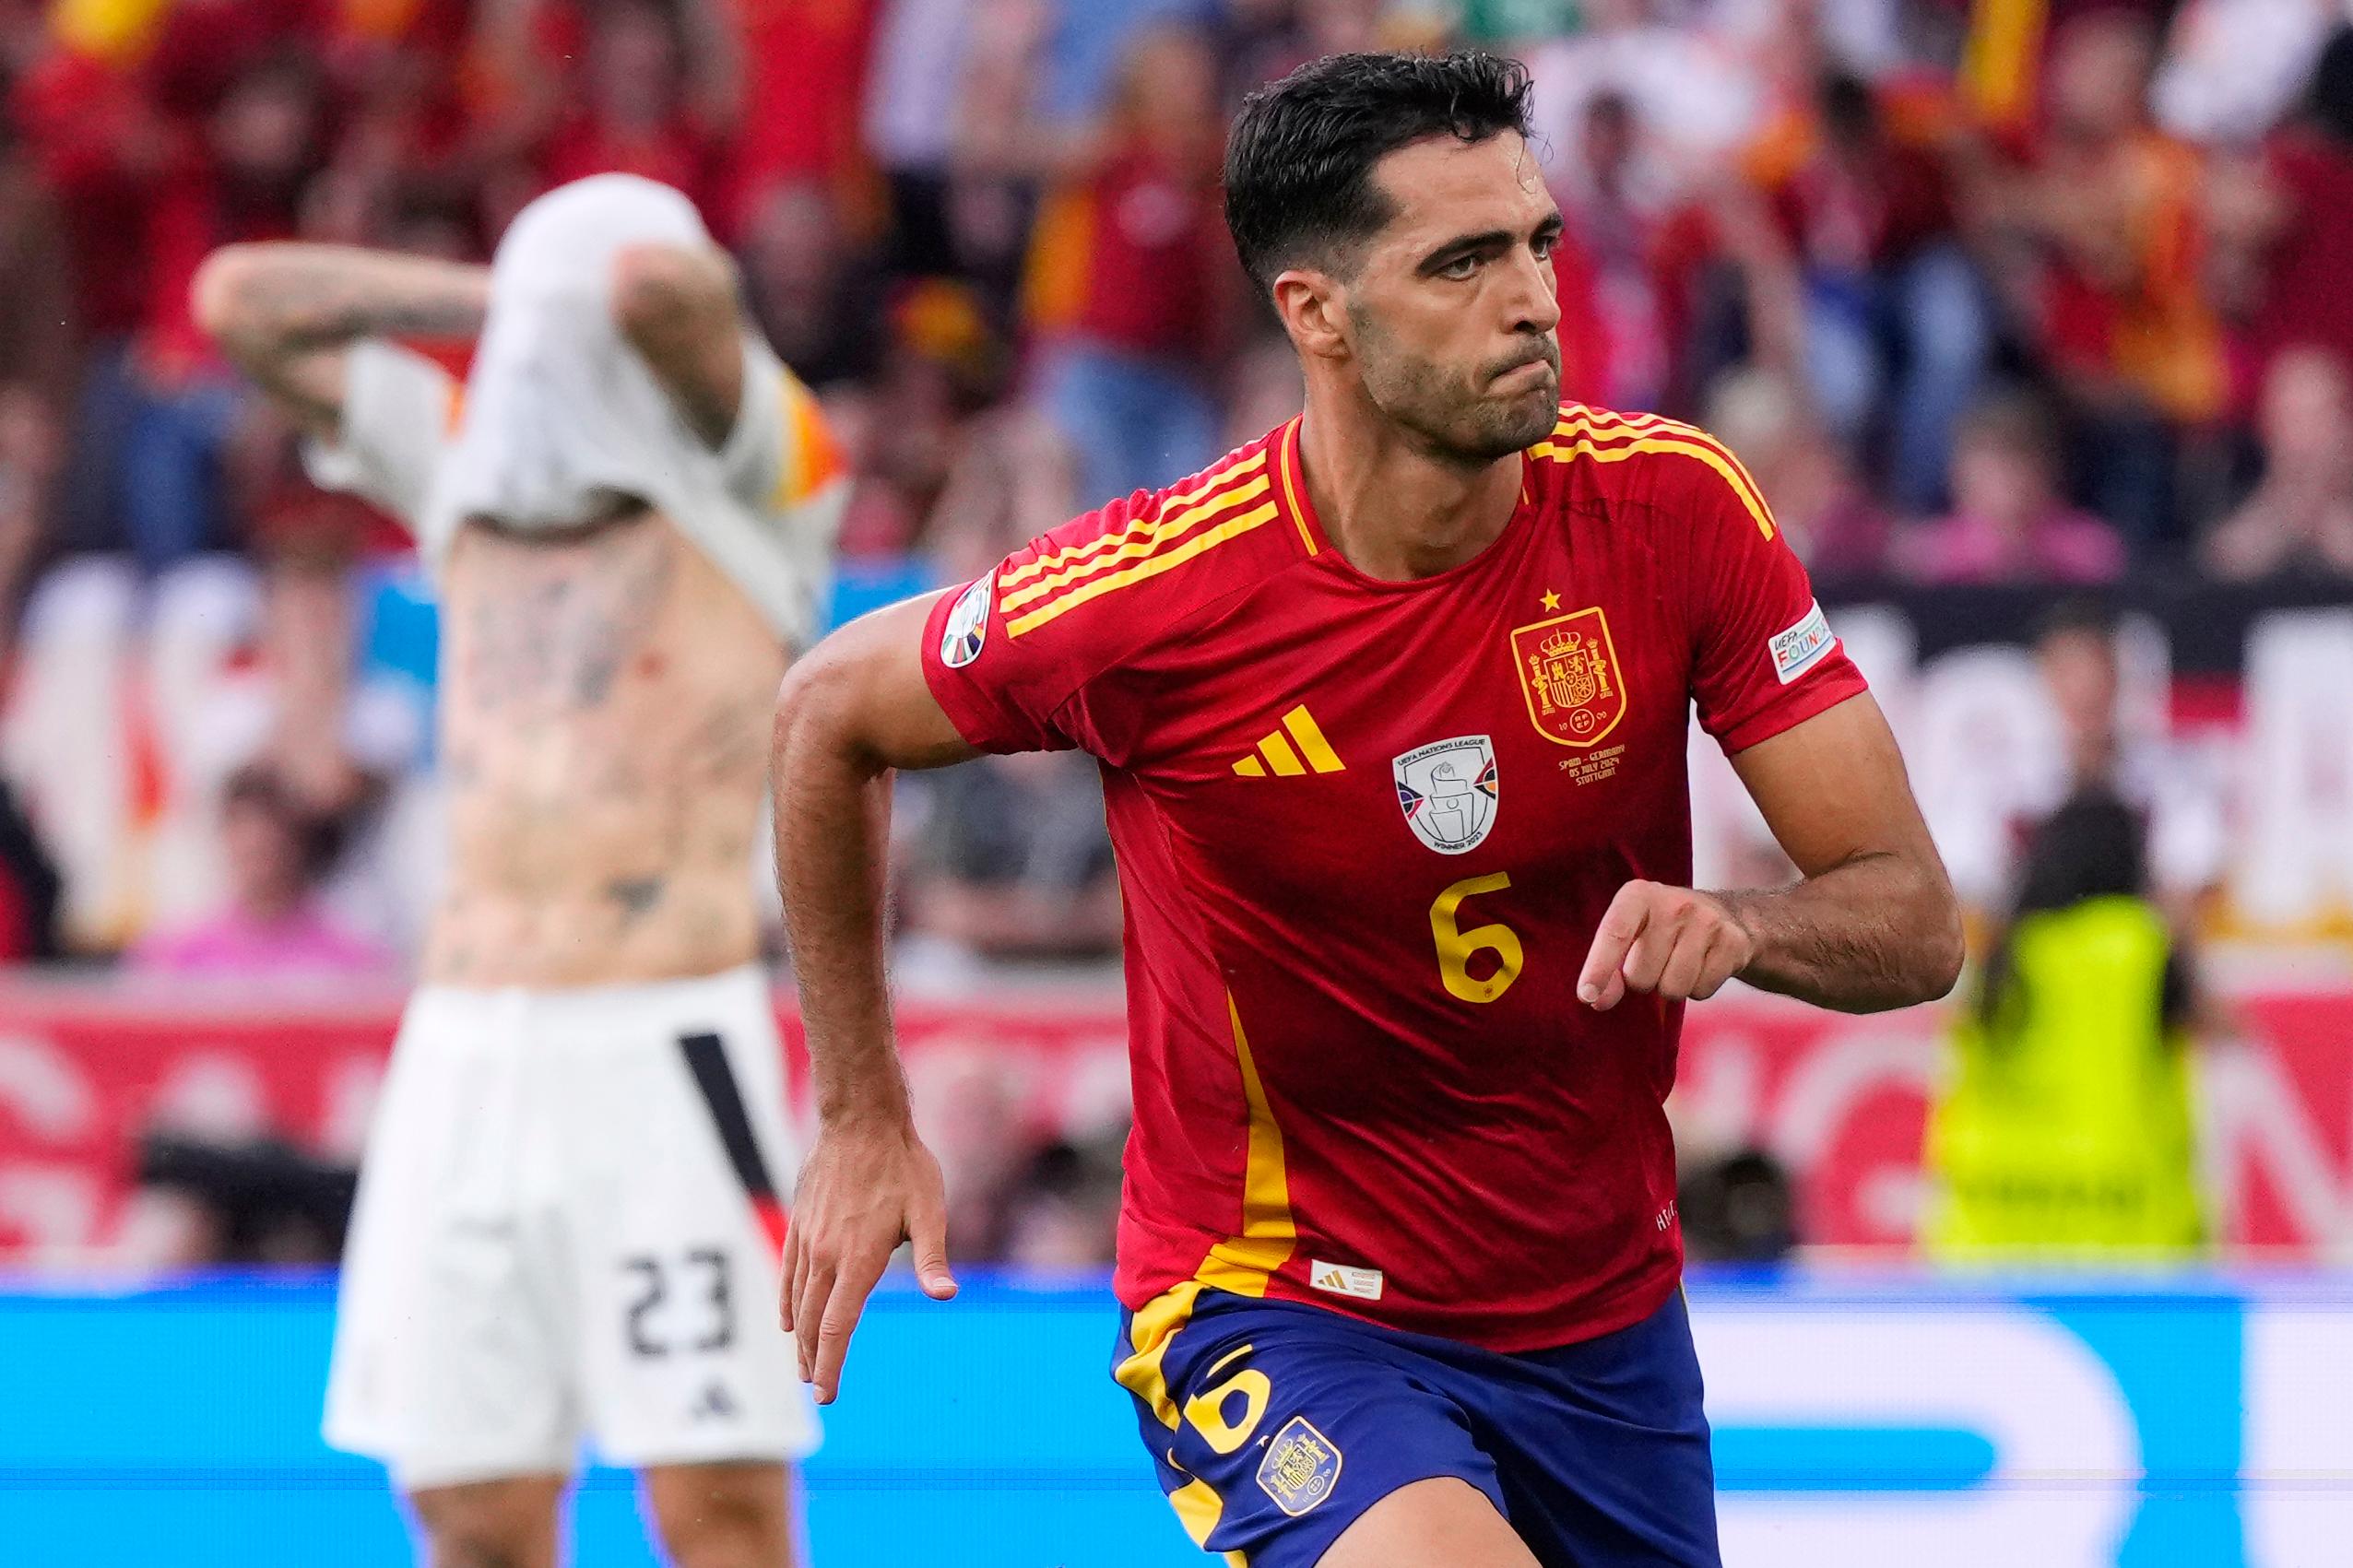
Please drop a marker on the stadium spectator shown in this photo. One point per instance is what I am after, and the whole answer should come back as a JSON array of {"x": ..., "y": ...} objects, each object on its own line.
[
  {"x": 1013, "y": 479},
  {"x": 2064, "y": 1126},
  {"x": 2303, "y": 217},
  {"x": 2298, "y": 522},
  {"x": 1833, "y": 523},
  {"x": 2234, "y": 68},
  {"x": 2116, "y": 286},
  {"x": 32, "y": 451},
  {"x": 37, "y": 365},
  {"x": 274, "y": 926},
  {"x": 1615, "y": 203},
  {"x": 905, "y": 433},
  {"x": 1062, "y": 1208},
  {"x": 30, "y": 885},
  {"x": 2009, "y": 524},
  {"x": 256, "y": 153},
  {"x": 807, "y": 286},
  {"x": 1897, "y": 328},
  {"x": 633, "y": 114},
  {"x": 1013, "y": 861},
  {"x": 1129, "y": 275}
]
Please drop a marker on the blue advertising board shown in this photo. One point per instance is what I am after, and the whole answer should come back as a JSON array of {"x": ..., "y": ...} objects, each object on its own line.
[{"x": 2202, "y": 1423}]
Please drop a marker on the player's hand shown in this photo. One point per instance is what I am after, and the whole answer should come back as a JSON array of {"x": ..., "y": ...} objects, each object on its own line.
[
  {"x": 866, "y": 1187},
  {"x": 1670, "y": 941}
]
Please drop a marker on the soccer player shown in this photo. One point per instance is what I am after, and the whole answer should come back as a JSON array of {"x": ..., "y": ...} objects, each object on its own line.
[
  {"x": 566, "y": 1217},
  {"x": 1398, "y": 1245}
]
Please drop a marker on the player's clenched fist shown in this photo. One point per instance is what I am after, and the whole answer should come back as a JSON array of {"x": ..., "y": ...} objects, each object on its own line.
[
  {"x": 866, "y": 1187},
  {"x": 1673, "y": 941}
]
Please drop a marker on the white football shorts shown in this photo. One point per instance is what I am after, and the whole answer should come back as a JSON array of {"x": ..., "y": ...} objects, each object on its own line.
[{"x": 568, "y": 1225}]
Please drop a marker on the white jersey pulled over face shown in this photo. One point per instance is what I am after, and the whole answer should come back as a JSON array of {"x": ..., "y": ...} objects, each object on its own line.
[
  {"x": 560, "y": 417},
  {"x": 765, "y": 507}
]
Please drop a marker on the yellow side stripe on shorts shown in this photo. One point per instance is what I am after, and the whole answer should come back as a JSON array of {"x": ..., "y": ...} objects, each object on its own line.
[
  {"x": 1149, "y": 1332},
  {"x": 1197, "y": 1509}
]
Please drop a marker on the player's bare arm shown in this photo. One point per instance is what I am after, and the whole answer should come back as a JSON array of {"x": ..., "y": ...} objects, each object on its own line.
[
  {"x": 854, "y": 708},
  {"x": 1873, "y": 923},
  {"x": 285, "y": 313},
  {"x": 676, "y": 305}
]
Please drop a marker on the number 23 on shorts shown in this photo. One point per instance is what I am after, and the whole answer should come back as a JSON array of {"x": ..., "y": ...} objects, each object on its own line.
[{"x": 1456, "y": 946}]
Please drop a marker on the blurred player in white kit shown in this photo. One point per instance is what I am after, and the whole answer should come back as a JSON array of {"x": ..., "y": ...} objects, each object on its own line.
[{"x": 567, "y": 1223}]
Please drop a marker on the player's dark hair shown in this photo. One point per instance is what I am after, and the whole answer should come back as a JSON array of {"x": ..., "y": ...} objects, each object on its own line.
[{"x": 1299, "y": 164}]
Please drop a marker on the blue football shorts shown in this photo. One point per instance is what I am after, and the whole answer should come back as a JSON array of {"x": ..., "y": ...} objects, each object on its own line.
[{"x": 1274, "y": 1425}]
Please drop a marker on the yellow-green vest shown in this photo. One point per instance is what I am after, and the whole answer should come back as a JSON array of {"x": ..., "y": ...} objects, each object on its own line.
[{"x": 2065, "y": 1125}]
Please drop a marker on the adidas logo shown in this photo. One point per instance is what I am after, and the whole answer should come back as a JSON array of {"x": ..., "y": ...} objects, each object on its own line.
[
  {"x": 1277, "y": 752},
  {"x": 1346, "y": 1280},
  {"x": 717, "y": 1403}
]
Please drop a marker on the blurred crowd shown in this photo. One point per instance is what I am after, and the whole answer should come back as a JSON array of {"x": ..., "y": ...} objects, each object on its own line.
[{"x": 2006, "y": 291}]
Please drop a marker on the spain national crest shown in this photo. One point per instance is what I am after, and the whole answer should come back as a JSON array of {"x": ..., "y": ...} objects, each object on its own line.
[
  {"x": 1300, "y": 1468},
  {"x": 1569, "y": 677},
  {"x": 1446, "y": 790}
]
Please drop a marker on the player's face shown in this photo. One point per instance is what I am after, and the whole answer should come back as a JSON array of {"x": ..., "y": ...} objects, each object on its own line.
[{"x": 1452, "y": 315}]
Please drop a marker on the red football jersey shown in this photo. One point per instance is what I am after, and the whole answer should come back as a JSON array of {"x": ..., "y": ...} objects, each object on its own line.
[{"x": 1366, "y": 831}]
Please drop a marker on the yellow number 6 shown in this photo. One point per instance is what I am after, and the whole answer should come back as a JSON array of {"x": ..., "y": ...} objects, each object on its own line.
[{"x": 1456, "y": 945}]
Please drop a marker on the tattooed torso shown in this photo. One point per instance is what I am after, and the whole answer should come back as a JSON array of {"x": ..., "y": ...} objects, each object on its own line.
[{"x": 605, "y": 704}]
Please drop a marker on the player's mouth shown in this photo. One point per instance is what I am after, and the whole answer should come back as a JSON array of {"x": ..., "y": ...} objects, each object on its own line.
[{"x": 1525, "y": 373}]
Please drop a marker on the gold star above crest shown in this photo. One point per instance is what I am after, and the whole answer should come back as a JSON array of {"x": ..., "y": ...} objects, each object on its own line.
[{"x": 1551, "y": 600}]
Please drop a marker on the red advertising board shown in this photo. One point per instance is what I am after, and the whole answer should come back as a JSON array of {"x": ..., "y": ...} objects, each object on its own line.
[{"x": 83, "y": 1071}]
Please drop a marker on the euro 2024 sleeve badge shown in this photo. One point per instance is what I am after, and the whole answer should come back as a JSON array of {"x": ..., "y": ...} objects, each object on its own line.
[{"x": 1569, "y": 677}]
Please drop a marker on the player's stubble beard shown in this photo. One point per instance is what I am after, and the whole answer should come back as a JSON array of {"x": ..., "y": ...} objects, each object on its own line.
[{"x": 1457, "y": 414}]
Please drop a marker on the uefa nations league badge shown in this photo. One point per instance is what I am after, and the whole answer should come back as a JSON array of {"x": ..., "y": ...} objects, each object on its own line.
[{"x": 1446, "y": 790}]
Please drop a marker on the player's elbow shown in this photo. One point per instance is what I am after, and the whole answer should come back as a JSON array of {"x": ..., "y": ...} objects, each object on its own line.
[
  {"x": 662, "y": 292},
  {"x": 817, "y": 707},
  {"x": 225, "y": 298},
  {"x": 1941, "y": 946}
]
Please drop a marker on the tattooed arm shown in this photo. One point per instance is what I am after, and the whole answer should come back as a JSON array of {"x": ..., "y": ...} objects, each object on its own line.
[
  {"x": 676, "y": 304},
  {"x": 285, "y": 313}
]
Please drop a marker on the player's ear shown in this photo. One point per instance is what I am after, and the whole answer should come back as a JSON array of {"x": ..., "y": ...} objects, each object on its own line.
[{"x": 1313, "y": 312}]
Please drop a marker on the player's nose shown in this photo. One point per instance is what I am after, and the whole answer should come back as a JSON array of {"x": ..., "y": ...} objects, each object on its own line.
[{"x": 1533, "y": 298}]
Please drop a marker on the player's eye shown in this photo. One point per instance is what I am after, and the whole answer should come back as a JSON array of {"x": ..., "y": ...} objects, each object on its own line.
[{"x": 1459, "y": 268}]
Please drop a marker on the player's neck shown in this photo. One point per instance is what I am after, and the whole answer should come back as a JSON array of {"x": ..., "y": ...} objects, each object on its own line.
[{"x": 1395, "y": 513}]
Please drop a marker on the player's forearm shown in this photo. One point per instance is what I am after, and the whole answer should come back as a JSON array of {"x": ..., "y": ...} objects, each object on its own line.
[
  {"x": 263, "y": 302},
  {"x": 1880, "y": 931},
  {"x": 676, "y": 306},
  {"x": 833, "y": 824}
]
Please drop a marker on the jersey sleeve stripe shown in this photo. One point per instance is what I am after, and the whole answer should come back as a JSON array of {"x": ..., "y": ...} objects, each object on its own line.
[
  {"x": 1169, "y": 528},
  {"x": 1141, "y": 527},
  {"x": 1286, "y": 462},
  {"x": 1167, "y": 560},
  {"x": 1650, "y": 433},
  {"x": 811, "y": 458}
]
